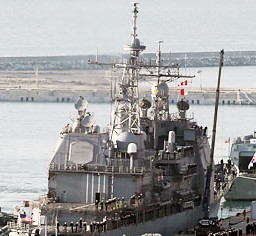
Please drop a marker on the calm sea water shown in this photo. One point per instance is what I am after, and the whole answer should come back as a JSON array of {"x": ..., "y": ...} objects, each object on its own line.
[
  {"x": 29, "y": 132},
  {"x": 68, "y": 27}
]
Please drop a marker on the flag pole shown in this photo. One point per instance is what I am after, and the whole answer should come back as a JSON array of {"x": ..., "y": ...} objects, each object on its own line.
[{"x": 229, "y": 148}]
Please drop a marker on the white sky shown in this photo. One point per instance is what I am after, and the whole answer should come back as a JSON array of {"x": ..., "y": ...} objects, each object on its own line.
[{"x": 72, "y": 27}]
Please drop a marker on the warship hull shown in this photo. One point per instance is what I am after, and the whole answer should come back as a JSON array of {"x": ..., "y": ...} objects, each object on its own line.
[
  {"x": 243, "y": 188},
  {"x": 166, "y": 226}
]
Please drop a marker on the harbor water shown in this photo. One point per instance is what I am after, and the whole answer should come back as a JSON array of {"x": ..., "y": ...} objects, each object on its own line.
[{"x": 29, "y": 133}]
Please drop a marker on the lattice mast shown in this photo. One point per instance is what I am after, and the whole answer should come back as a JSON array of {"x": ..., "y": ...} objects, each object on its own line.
[{"x": 126, "y": 109}]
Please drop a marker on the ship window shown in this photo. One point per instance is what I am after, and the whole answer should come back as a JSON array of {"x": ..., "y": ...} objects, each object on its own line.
[
  {"x": 228, "y": 102},
  {"x": 223, "y": 102},
  {"x": 198, "y": 102}
]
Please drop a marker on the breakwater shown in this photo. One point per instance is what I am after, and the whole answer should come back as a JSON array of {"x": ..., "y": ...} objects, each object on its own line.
[{"x": 184, "y": 59}]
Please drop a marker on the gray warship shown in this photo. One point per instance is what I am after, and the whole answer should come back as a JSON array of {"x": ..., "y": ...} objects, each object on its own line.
[
  {"x": 243, "y": 155},
  {"x": 145, "y": 173}
]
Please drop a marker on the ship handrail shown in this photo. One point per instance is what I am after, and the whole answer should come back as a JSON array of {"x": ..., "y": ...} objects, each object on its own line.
[
  {"x": 176, "y": 116},
  {"x": 173, "y": 156},
  {"x": 96, "y": 168},
  {"x": 243, "y": 175},
  {"x": 242, "y": 141},
  {"x": 133, "y": 212},
  {"x": 132, "y": 216},
  {"x": 17, "y": 226},
  {"x": 169, "y": 156},
  {"x": 154, "y": 211}
]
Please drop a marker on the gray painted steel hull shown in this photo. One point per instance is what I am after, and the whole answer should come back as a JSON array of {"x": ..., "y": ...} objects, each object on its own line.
[
  {"x": 243, "y": 188},
  {"x": 166, "y": 226}
]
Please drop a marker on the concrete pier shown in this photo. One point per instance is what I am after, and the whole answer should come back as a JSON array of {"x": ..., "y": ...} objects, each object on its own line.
[
  {"x": 60, "y": 94},
  {"x": 94, "y": 85}
]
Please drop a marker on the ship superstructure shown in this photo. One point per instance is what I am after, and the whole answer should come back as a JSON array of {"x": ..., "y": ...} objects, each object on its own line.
[{"x": 145, "y": 173}]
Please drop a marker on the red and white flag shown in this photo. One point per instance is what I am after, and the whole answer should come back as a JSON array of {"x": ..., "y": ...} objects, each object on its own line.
[
  {"x": 182, "y": 87},
  {"x": 253, "y": 160},
  {"x": 227, "y": 140},
  {"x": 183, "y": 83}
]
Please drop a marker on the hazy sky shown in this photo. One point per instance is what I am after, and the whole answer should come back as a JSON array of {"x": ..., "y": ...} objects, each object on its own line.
[{"x": 61, "y": 27}]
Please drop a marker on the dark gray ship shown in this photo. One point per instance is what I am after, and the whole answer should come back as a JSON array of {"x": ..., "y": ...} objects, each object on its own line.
[
  {"x": 145, "y": 173},
  {"x": 243, "y": 155}
]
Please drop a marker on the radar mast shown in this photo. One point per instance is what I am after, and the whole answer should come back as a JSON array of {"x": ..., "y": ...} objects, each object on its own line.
[{"x": 126, "y": 116}]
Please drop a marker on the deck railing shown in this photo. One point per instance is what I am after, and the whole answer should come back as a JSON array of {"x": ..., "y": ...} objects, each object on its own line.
[{"x": 96, "y": 168}]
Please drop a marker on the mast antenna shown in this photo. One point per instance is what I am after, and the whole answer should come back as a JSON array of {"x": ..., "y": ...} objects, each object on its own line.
[
  {"x": 216, "y": 109},
  {"x": 206, "y": 199}
]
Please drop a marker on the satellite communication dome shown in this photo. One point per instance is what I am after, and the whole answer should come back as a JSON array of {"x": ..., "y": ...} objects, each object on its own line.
[
  {"x": 81, "y": 104},
  {"x": 131, "y": 148},
  {"x": 88, "y": 121}
]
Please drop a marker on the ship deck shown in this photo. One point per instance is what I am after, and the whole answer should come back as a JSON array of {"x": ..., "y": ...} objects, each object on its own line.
[{"x": 236, "y": 225}]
